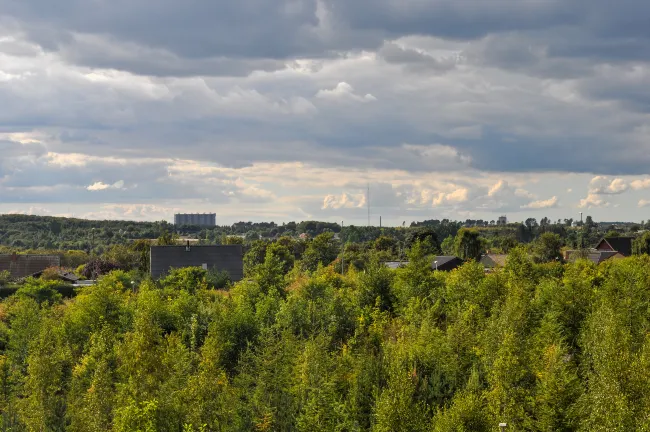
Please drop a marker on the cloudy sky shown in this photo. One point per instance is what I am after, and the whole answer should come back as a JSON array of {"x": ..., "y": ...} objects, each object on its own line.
[{"x": 287, "y": 109}]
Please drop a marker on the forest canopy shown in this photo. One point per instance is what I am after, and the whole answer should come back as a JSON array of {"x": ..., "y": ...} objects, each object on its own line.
[{"x": 542, "y": 347}]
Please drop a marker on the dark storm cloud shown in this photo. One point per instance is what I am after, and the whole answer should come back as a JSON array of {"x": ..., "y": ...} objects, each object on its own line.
[
  {"x": 553, "y": 39},
  {"x": 234, "y": 37},
  {"x": 469, "y": 19},
  {"x": 194, "y": 29}
]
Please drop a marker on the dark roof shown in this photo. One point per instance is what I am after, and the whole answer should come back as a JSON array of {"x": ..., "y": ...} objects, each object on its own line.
[
  {"x": 228, "y": 258},
  {"x": 619, "y": 244},
  {"x": 446, "y": 262},
  {"x": 63, "y": 275},
  {"x": 21, "y": 266}
]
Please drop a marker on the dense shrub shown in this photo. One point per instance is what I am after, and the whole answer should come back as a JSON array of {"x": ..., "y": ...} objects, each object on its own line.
[{"x": 98, "y": 267}]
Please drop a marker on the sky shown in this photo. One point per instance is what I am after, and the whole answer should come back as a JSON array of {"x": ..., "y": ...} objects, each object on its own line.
[{"x": 281, "y": 110}]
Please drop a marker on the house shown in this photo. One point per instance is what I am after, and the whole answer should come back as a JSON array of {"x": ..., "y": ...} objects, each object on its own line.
[
  {"x": 593, "y": 255},
  {"x": 446, "y": 263},
  {"x": 502, "y": 221},
  {"x": 228, "y": 258},
  {"x": 442, "y": 263},
  {"x": 62, "y": 275},
  {"x": 490, "y": 261},
  {"x": 21, "y": 266},
  {"x": 622, "y": 245}
]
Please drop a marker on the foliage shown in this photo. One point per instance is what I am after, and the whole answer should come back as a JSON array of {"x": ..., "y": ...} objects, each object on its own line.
[
  {"x": 98, "y": 267},
  {"x": 641, "y": 245},
  {"x": 322, "y": 250},
  {"x": 468, "y": 244},
  {"x": 167, "y": 238},
  {"x": 218, "y": 279},
  {"x": 50, "y": 274},
  {"x": 5, "y": 277},
  {"x": 40, "y": 291},
  {"x": 541, "y": 346},
  {"x": 427, "y": 238},
  {"x": 547, "y": 248}
]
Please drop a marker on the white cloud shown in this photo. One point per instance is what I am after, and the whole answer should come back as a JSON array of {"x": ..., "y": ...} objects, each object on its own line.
[
  {"x": 643, "y": 203},
  {"x": 344, "y": 200},
  {"x": 640, "y": 184},
  {"x": 99, "y": 186},
  {"x": 457, "y": 196},
  {"x": 344, "y": 91},
  {"x": 601, "y": 185},
  {"x": 593, "y": 201},
  {"x": 542, "y": 204}
]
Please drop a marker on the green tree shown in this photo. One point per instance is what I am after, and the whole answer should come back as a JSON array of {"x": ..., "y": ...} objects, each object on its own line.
[
  {"x": 547, "y": 248},
  {"x": 167, "y": 238},
  {"x": 122, "y": 255},
  {"x": 44, "y": 406},
  {"x": 284, "y": 254},
  {"x": 375, "y": 288},
  {"x": 323, "y": 249},
  {"x": 270, "y": 274},
  {"x": 468, "y": 244},
  {"x": 385, "y": 244},
  {"x": 254, "y": 256},
  {"x": 448, "y": 246},
  {"x": 641, "y": 245},
  {"x": 427, "y": 238}
]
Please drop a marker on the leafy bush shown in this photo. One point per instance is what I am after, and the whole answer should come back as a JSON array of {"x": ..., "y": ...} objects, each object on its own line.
[
  {"x": 188, "y": 279},
  {"x": 5, "y": 277},
  {"x": 218, "y": 279},
  {"x": 50, "y": 274},
  {"x": 41, "y": 291},
  {"x": 98, "y": 267}
]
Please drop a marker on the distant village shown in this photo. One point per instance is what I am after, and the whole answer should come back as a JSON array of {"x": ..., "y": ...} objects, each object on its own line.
[{"x": 185, "y": 246}]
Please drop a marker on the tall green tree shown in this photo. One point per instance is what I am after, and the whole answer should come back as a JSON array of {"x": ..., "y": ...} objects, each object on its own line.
[
  {"x": 641, "y": 245},
  {"x": 547, "y": 248},
  {"x": 323, "y": 249},
  {"x": 468, "y": 244}
]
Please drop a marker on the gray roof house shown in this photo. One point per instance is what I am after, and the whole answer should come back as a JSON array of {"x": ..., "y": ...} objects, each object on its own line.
[
  {"x": 21, "y": 266},
  {"x": 229, "y": 258}
]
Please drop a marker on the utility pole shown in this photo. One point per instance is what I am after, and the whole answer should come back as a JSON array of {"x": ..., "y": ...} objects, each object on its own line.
[{"x": 582, "y": 231}]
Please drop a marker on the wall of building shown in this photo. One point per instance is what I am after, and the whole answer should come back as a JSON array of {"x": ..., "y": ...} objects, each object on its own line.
[
  {"x": 201, "y": 219},
  {"x": 229, "y": 258},
  {"x": 21, "y": 266}
]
